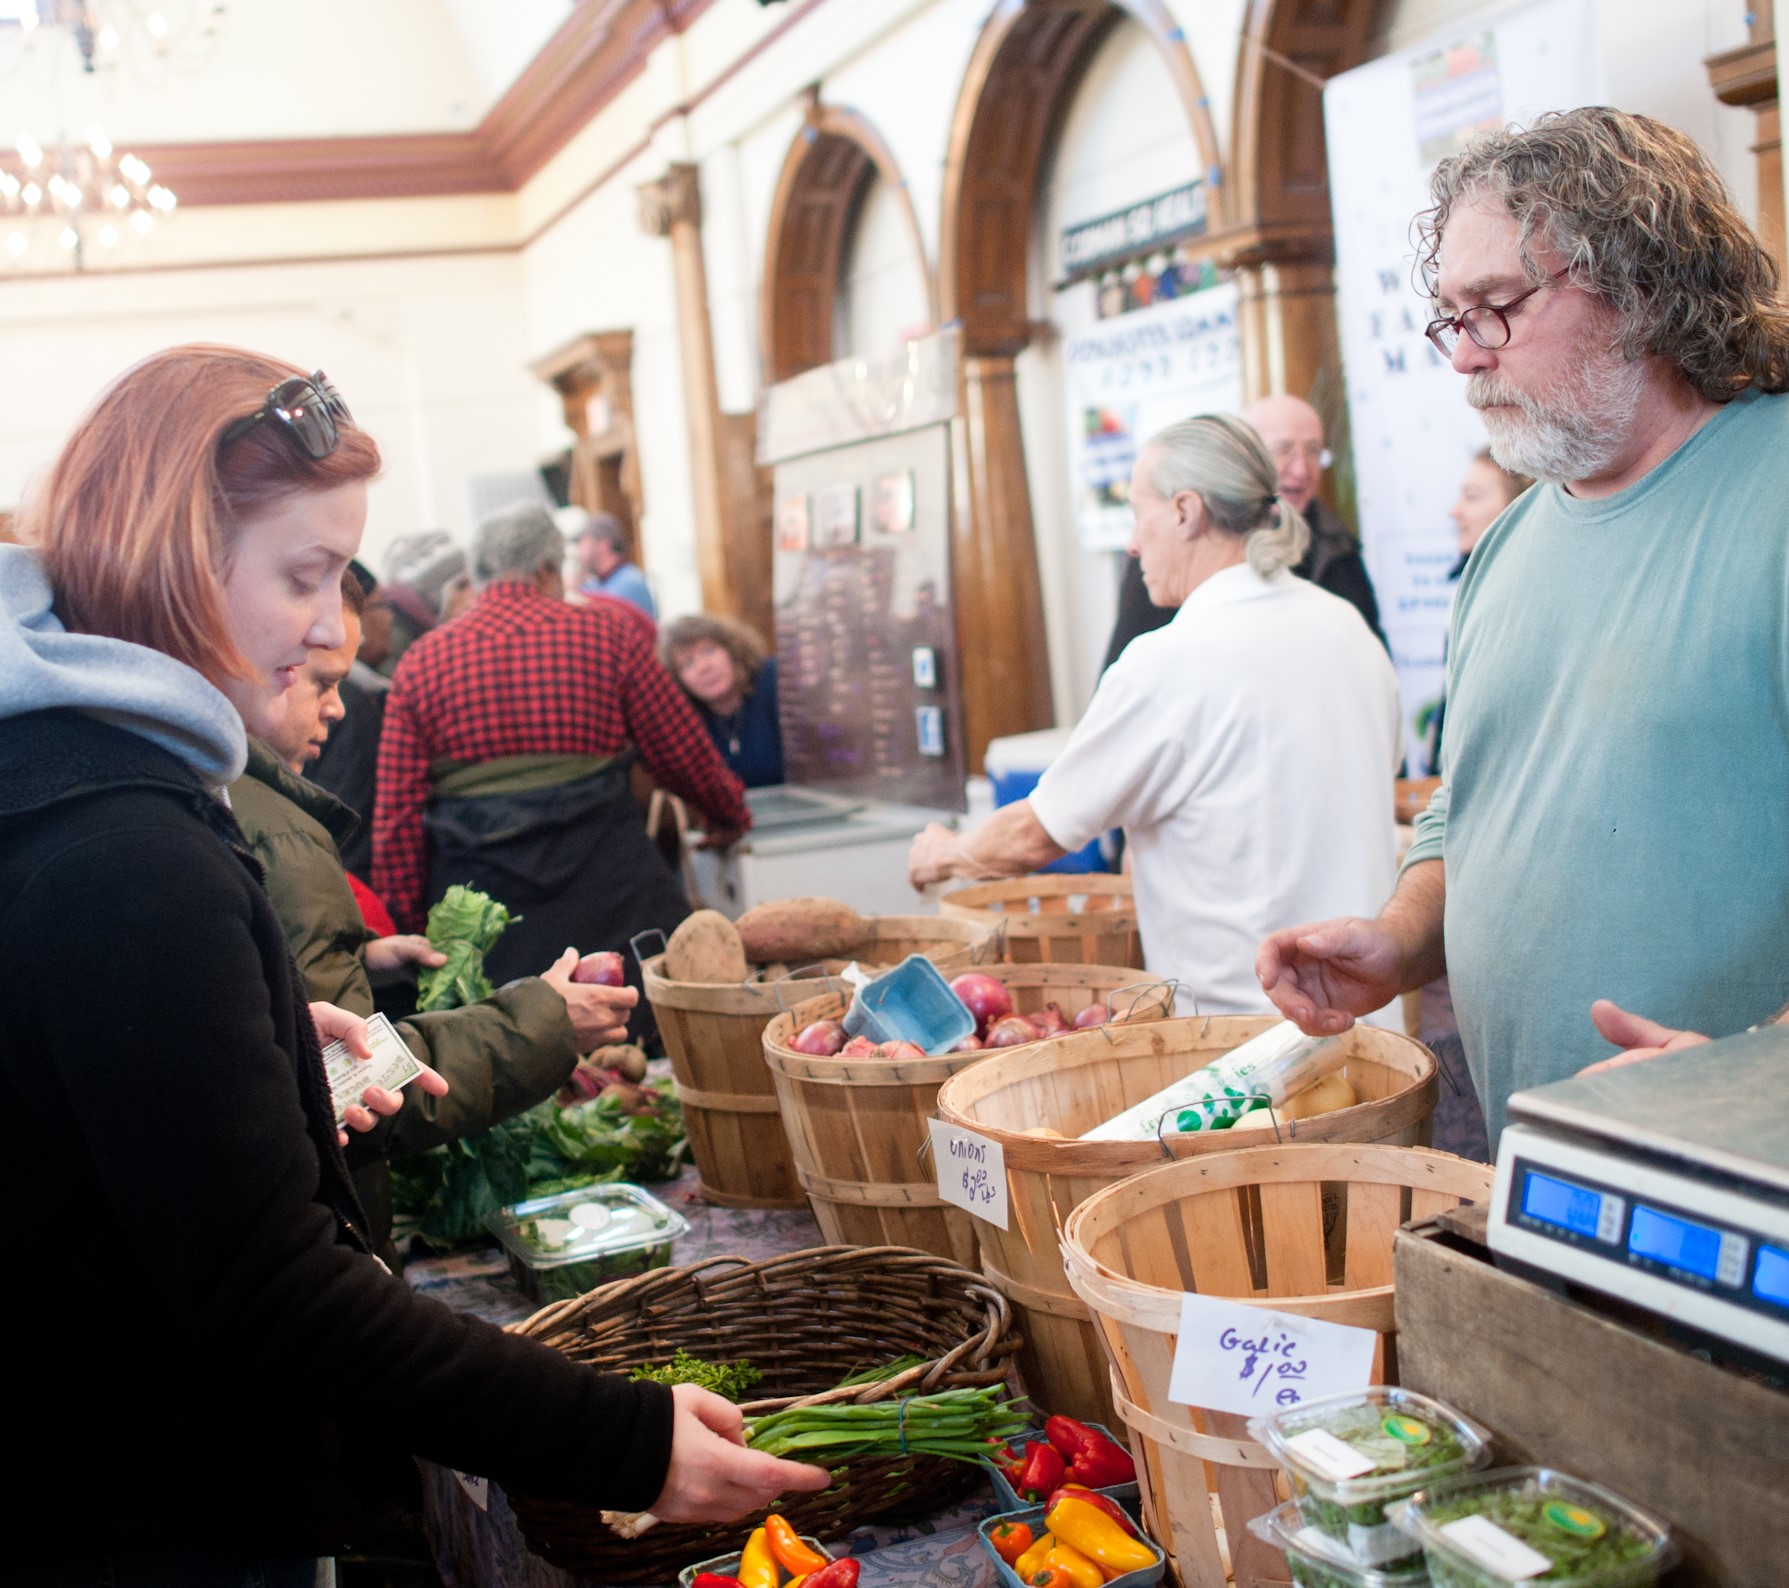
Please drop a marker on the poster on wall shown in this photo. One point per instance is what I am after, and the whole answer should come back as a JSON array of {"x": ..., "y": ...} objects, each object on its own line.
[
  {"x": 1389, "y": 123},
  {"x": 1128, "y": 377}
]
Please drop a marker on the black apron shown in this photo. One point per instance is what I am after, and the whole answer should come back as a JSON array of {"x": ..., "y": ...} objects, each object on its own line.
[{"x": 572, "y": 860}]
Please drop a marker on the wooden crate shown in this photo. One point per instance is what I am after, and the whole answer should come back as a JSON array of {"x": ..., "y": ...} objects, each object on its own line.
[{"x": 1579, "y": 1385}]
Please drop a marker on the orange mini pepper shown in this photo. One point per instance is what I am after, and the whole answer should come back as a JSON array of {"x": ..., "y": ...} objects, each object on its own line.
[
  {"x": 1010, "y": 1540},
  {"x": 1033, "y": 1558},
  {"x": 1049, "y": 1577},
  {"x": 791, "y": 1554},
  {"x": 1087, "y": 1528},
  {"x": 1082, "y": 1572}
]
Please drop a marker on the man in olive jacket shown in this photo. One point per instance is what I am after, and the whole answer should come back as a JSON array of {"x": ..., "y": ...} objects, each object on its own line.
[{"x": 499, "y": 1056}]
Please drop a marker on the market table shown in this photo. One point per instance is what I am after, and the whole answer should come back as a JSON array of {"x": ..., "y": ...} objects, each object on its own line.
[{"x": 482, "y": 1547}]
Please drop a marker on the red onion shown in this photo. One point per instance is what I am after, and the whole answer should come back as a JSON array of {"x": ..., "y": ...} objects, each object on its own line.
[
  {"x": 984, "y": 997},
  {"x": 822, "y": 1039}
]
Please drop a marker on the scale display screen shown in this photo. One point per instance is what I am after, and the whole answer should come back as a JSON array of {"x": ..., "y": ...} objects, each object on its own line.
[
  {"x": 1561, "y": 1203},
  {"x": 1675, "y": 1242},
  {"x": 1771, "y": 1280}
]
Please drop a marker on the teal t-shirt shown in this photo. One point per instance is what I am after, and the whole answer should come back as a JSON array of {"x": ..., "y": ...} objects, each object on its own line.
[{"x": 1615, "y": 812}]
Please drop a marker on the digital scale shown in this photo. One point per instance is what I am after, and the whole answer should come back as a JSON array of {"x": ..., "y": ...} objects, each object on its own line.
[{"x": 1664, "y": 1183}]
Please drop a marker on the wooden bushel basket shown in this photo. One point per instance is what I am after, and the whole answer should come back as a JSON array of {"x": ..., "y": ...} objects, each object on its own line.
[
  {"x": 714, "y": 1035},
  {"x": 1073, "y": 1083},
  {"x": 856, "y": 1126},
  {"x": 805, "y": 1320},
  {"x": 1058, "y": 918},
  {"x": 1302, "y": 1229}
]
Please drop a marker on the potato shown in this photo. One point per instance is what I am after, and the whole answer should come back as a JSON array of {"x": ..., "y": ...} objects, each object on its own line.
[
  {"x": 705, "y": 948},
  {"x": 1324, "y": 1096},
  {"x": 627, "y": 1059},
  {"x": 799, "y": 930}
]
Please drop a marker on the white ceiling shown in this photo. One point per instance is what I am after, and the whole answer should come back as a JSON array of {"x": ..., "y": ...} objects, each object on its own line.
[{"x": 273, "y": 69}]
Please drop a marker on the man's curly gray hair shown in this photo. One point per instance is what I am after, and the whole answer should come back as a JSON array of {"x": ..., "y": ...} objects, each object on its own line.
[
  {"x": 1638, "y": 215},
  {"x": 516, "y": 542}
]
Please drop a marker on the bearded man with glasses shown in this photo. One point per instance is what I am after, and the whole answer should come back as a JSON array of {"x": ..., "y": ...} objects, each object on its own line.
[{"x": 1612, "y": 823}]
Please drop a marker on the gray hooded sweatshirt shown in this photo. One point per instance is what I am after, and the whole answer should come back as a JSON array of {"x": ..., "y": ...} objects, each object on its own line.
[{"x": 43, "y": 666}]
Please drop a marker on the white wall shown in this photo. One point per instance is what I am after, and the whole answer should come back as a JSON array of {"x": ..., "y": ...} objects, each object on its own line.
[
  {"x": 882, "y": 285},
  {"x": 428, "y": 354}
]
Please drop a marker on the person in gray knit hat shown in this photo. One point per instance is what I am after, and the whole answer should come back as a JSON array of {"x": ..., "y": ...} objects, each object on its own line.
[{"x": 423, "y": 571}]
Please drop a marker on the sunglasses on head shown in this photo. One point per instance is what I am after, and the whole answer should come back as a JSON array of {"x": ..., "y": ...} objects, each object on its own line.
[{"x": 306, "y": 408}]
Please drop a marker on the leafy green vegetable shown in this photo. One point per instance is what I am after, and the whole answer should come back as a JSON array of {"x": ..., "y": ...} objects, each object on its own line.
[
  {"x": 1407, "y": 1450},
  {"x": 463, "y": 926},
  {"x": 731, "y": 1379},
  {"x": 875, "y": 1375},
  {"x": 1579, "y": 1540},
  {"x": 546, "y": 1150},
  {"x": 955, "y": 1423}
]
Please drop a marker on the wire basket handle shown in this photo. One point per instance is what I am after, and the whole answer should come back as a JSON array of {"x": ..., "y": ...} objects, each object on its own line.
[
  {"x": 639, "y": 937},
  {"x": 776, "y": 982}
]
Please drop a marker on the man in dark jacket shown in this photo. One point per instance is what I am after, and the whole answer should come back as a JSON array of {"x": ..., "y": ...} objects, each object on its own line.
[
  {"x": 499, "y": 1056},
  {"x": 348, "y": 763}
]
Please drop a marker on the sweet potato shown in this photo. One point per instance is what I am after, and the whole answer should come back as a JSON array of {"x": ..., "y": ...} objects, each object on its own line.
[
  {"x": 798, "y": 930},
  {"x": 705, "y": 948}
]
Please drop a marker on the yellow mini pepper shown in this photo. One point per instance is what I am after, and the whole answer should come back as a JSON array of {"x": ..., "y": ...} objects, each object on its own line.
[
  {"x": 757, "y": 1566},
  {"x": 1032, "y": 1560},
  {"x": 1080, "y": 1571},
  {"x": 1087, "y": 1528}
]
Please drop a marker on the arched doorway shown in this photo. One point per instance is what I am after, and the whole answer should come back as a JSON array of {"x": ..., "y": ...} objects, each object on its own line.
[
  {"x": 836, "y": 156},
  {"x": 1024, "y": 70}
]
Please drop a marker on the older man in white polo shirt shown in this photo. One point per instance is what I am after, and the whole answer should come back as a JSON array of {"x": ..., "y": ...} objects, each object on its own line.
[{"x": 1247, "y": 748}]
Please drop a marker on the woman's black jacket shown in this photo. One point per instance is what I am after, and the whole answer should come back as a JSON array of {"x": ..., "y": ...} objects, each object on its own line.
[{"x": 197, "y": 1342}]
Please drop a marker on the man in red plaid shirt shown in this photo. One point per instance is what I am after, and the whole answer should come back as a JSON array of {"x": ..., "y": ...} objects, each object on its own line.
[{"x": 509, "y": 734}]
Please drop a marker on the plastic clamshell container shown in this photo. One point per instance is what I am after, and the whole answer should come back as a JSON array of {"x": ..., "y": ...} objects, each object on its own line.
[
  {"x": 1351, "y": 1510},
  {"x": 911, "y": 1003},
  {"x": 561, "y": 1246},
  {"x": 1009, "y": 1499},
  {"x": 728, "y": 1565},
  {"x": 1033, "y": 1518},
  {"x": 1318, "y": 1561},
  {"x": 1568, "y": 1504}
]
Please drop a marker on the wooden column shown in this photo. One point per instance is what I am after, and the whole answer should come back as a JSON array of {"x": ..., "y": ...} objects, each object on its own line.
[
  {"x": 1748, "y": 76},
  {"x": 672, "y": 207},
  {"x": 1287, "y": 312},
  {"x": 995, "y": 584}
]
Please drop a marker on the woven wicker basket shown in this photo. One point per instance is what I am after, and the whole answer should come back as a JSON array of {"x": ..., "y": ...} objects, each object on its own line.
[{"x": 805, "y": 1320}]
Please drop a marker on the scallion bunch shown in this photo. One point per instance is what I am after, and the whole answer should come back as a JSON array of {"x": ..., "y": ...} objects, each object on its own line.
[{"x": 956, "y": 1424}]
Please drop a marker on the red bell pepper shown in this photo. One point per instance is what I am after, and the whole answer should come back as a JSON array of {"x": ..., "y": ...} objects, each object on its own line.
[
  {"x": 1099, "y": 1501},
  {"x": 1102, "y": 1464},
  {"x": 1067, "y": 1435},
  {"x": 1010, "y": 1462},
  {"x": 1043, "y": 1471},
  {"x": 841, "y": 1573},
  {"x": 712, "y": 1579}
]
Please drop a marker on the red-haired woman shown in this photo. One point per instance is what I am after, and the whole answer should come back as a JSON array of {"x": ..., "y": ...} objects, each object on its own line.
[{"x": 207, "y": 1336}]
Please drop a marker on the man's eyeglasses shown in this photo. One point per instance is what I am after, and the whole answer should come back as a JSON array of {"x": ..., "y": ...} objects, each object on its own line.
[
  {"x": 1316, "y": 456},
  {"x": 1486, "y": 323},
  {"x": 306, "y": 409}
]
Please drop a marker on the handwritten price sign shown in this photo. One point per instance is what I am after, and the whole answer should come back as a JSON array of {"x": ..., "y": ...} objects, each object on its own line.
[
  {"x": 1233, "y": 1358},
  {"x": 971, "y": 1171}
]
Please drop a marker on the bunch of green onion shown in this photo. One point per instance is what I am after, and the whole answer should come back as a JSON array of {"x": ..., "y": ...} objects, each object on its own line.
[{"x": 956, "y": 1424}]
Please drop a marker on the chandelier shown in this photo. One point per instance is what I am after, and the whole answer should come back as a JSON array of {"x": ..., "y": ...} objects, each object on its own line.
[{"x": 70, "y": 199}]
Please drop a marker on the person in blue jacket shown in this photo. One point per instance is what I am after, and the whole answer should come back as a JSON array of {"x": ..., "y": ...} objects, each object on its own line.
[{"x": 723, "y": 668}]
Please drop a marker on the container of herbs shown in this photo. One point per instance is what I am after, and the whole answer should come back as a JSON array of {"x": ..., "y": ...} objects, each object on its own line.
[
  {"x": 1317, "y": 1561},
  {"x": 1534, "y": 1525},
  {"x": 561, "y": 1246},
  {"x": 1349, "y": 1456}
]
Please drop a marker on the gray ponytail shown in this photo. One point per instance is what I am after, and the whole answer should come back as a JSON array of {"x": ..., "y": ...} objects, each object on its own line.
[{"x": 1222, "y": 460}]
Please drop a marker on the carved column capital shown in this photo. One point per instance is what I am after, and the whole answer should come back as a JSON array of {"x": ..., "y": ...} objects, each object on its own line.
[{"x": 675, "y": 197}]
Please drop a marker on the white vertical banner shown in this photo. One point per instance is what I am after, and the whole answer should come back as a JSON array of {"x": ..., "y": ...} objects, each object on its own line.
[
  {"x": 1389, "y": 124},
  {"x": 1126, "y": 378}
]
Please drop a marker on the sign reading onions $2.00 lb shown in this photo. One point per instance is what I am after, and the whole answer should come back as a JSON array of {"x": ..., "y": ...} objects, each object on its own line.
[{"x": 971, "y": 1171}]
